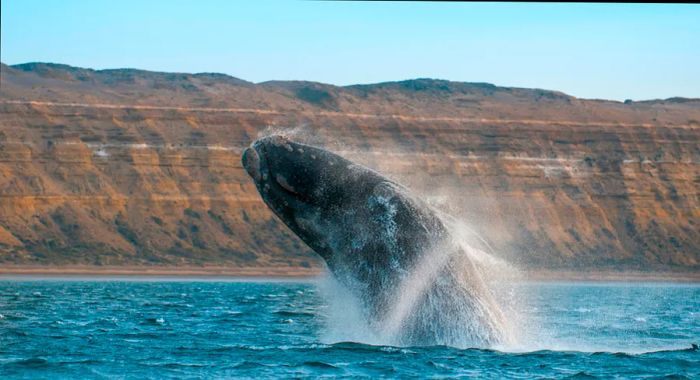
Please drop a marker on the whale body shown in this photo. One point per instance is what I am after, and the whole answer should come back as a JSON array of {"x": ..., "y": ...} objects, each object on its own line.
[{"x": 394, "y": 252}]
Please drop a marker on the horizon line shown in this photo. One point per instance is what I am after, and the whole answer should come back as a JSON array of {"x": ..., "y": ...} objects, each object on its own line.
[{"x": 349, "y": 85}]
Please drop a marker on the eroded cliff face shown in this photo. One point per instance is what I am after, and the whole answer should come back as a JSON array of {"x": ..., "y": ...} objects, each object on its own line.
[{"x": 130, "y": 167}]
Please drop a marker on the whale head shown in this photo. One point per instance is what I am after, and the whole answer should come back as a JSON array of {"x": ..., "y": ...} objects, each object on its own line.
[{"x": 347, "y": 213}]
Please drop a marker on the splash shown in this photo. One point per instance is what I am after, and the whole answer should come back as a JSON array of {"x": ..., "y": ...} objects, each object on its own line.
[
  {"x": 464, "y": 297},
  {"x": 408, "y": 274},
  {"x": 301, "y": 132}
]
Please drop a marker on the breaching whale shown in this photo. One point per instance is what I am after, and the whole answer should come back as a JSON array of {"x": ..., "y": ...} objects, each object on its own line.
[{"x": 394, "y": 252}]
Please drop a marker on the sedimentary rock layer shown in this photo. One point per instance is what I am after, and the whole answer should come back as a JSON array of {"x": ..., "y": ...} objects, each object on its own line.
[{"x": 125, "y": 167}]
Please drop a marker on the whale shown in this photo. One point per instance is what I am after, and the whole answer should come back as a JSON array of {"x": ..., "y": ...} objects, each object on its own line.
[{"x": 395, "y": 253}]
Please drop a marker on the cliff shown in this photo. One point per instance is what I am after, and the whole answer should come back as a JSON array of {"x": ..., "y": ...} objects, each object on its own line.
[{"x": 129, "y": 167}]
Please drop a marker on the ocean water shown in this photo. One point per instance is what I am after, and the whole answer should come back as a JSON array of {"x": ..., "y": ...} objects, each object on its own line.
[{"x": 121, "y": 328}]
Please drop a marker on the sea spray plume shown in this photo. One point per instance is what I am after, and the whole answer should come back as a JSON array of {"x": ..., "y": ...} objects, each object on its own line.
[
  {"x": 299, "y": 132},
  {"x": 416, "y": 283}
]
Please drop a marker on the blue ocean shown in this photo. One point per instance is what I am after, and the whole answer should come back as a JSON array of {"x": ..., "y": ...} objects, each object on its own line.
[{"x": 206, "y": 328}]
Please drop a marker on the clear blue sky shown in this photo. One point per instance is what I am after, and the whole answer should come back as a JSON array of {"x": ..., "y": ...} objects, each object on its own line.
[{"x": 587, "y": 50}]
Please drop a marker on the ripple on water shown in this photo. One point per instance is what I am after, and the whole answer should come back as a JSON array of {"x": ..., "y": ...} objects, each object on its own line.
[
  {"x": 34, "y": 362},
  {"x": 155, "y": 321},
  {"x": 319, "y": 365},
  {"x": 220, "y": 330}
]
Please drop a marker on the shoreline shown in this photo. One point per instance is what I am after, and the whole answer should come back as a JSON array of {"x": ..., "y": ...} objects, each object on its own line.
[
  {"x": 610, "y": 276},
  {"x": 159, "y": 271},
  {"x": 298, "y": 273}
]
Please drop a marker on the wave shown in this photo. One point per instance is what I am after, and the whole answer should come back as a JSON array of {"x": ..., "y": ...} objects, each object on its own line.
[
  {"x": 635, "y": 351},
  {"x": 319, "y": 364},
  {"x": 363, "y": 347},
  {"x": 154, "y": 321},
  {"x": 288, "y": 313},
  {"x": 247, "y": 364},
  {"x": 33, "y": 362}
]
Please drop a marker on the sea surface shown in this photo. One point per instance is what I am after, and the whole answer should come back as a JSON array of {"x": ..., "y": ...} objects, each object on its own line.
[{"x": 126, "y": 328}]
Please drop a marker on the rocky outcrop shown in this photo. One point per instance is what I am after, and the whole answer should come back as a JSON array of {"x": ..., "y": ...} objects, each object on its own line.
[{"x": 128, "y": 167}]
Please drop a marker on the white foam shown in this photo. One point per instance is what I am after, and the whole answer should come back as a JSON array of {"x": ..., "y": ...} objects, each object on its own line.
[
  {"x": 486, "y": 318},
  {"x": 346, "y": 320}
]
